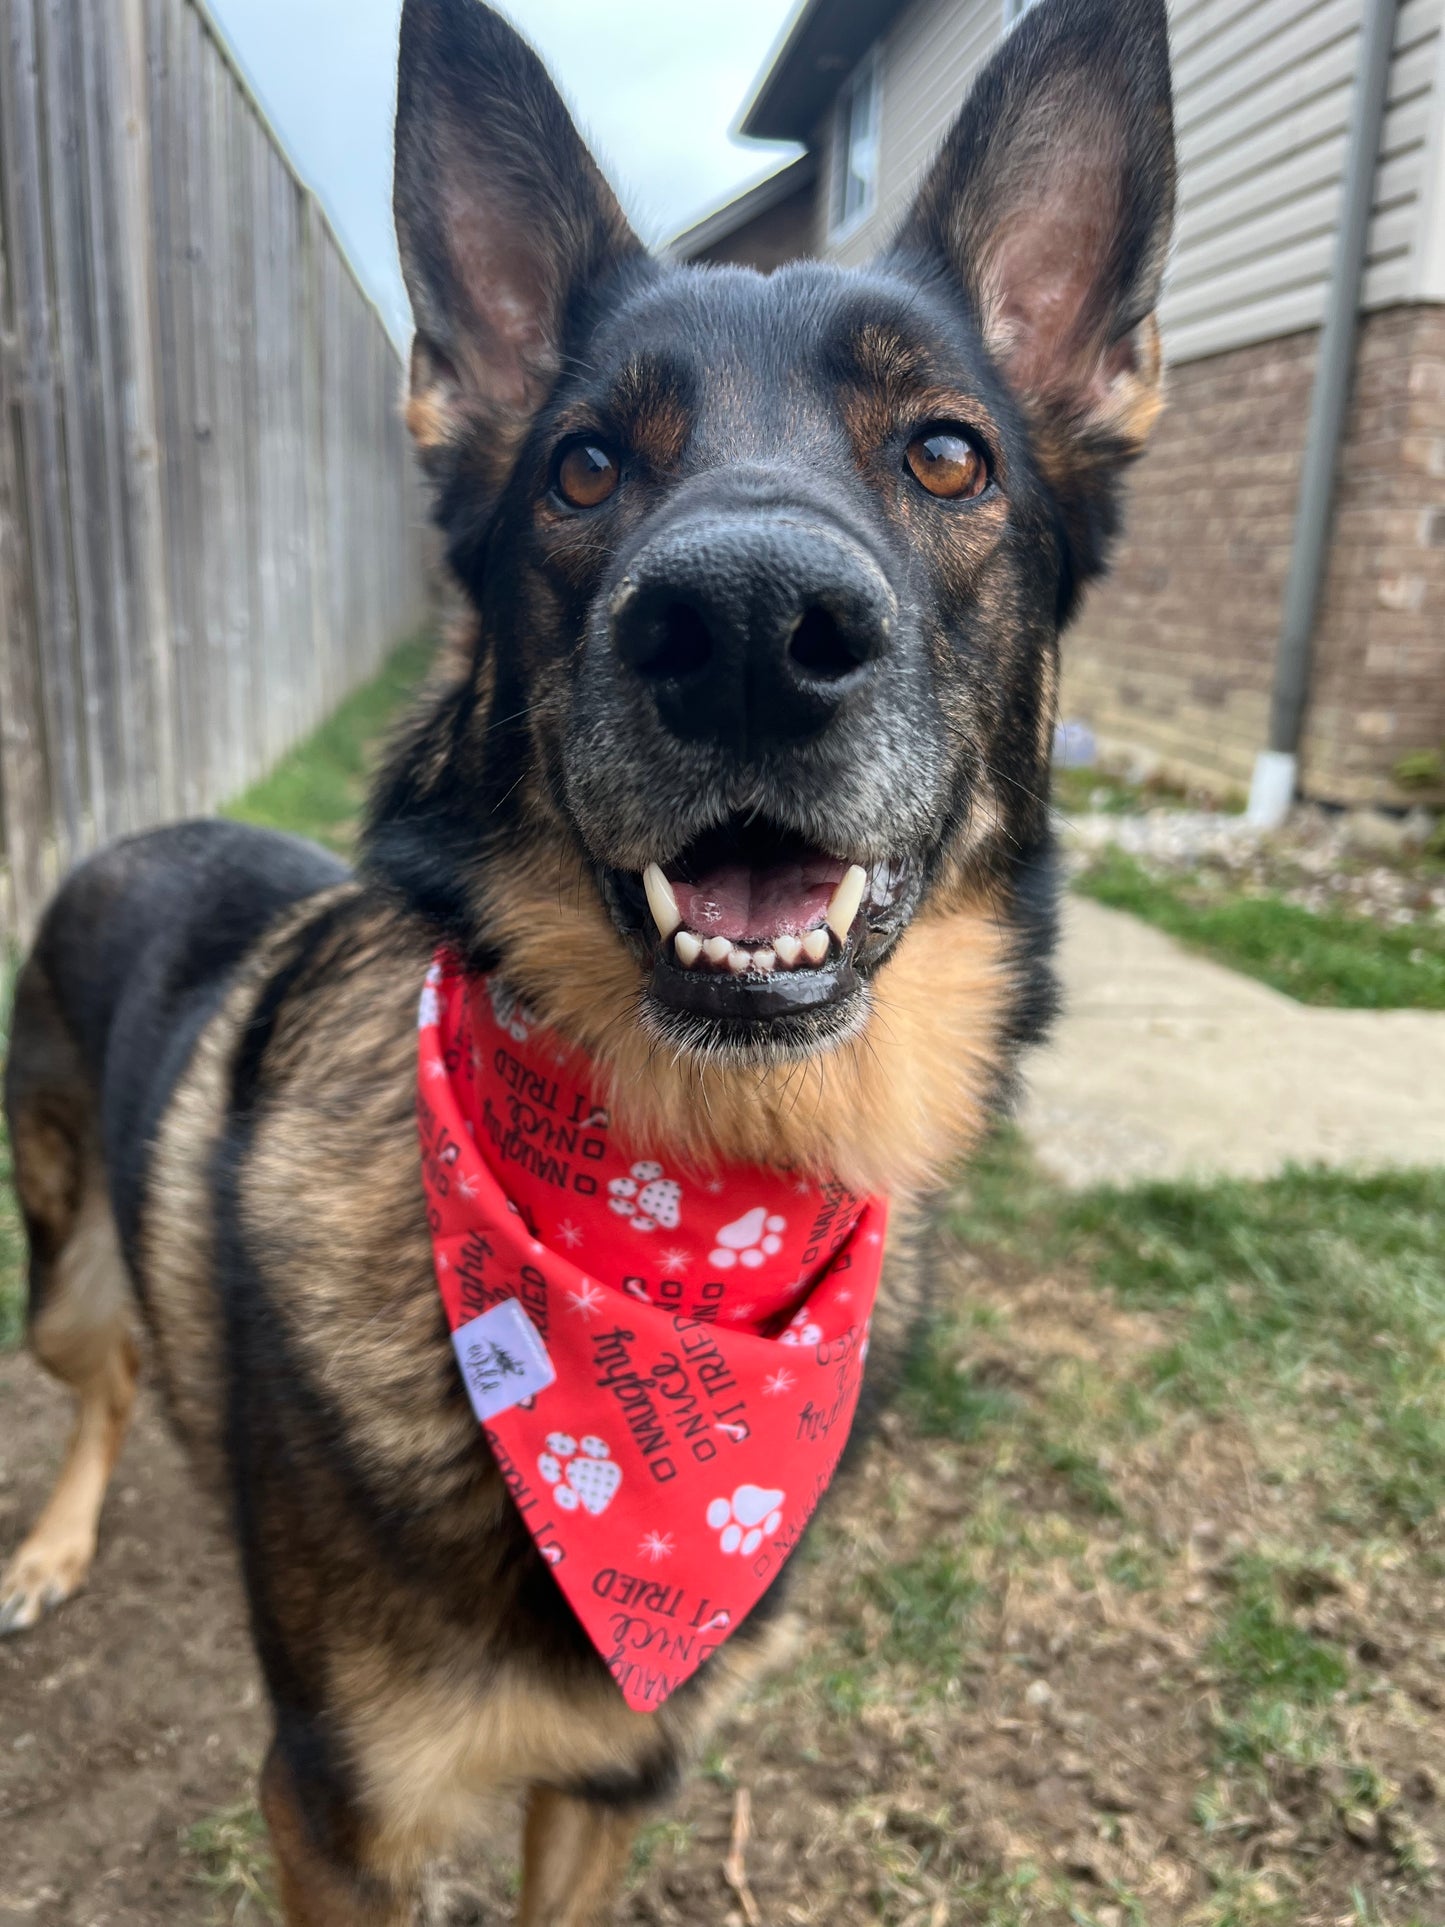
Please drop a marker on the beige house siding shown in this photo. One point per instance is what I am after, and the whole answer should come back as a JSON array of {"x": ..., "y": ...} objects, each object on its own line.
[
  {"x": 927, "y": 63},
  {"x": 1264, "y": 91}
]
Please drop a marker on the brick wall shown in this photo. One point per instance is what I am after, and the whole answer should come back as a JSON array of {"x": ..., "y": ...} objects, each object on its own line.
[{"x": 1174, "y": 655}]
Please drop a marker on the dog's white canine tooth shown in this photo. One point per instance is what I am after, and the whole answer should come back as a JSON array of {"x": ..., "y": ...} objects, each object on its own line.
[
  {"x": 765, "y": 960},
  {"x": 847, "y": 901},
  {"x": 717, "y": 949},
  {"x": 816, "y": 945},
  {"x": 789, "y": 950},
  {"x": 689, "y": 948},
  {"x": 661, "y": 901},
  {"x": 739, "y": 961}
]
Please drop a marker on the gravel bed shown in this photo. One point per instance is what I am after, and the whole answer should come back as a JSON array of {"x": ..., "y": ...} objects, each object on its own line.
[{"x": 1352, "y": 861}]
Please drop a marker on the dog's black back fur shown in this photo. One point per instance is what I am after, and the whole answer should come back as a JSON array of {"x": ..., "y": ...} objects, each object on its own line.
[{"x": 140, "y": 948}]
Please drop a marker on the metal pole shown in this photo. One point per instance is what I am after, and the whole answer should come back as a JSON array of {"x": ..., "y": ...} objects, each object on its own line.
[{"x": 1314, "y": 517}]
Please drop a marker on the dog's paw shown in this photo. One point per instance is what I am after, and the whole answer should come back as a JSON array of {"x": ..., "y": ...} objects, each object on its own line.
[{"x": 43, "y": 1572}]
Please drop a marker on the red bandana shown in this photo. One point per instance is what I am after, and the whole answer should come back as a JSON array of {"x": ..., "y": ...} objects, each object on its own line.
[{"x": 665, "y": 1361}]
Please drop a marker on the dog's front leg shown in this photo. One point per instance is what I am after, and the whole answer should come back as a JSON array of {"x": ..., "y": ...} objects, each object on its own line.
[
  {"x": 574, "y": 1855},
  {"x": 320, "y": 1883}
]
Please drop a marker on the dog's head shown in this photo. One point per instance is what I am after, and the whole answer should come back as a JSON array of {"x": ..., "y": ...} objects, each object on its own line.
[{"x": 766, "y": 572}]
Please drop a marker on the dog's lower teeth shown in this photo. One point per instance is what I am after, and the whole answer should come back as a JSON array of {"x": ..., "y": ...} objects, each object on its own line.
[{"x": 786, "y": 952}]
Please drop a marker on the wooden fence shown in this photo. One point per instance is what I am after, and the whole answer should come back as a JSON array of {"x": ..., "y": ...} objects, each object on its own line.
[{"x": 209, "y": 524}]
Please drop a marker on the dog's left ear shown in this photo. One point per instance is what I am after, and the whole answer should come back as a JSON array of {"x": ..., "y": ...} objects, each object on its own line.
[
  {"x": 503, "y": 221},
  {"x": 1052, "y": 203}
]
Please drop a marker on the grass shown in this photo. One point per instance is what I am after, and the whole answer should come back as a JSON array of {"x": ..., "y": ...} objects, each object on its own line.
[
  {"x": 1259, "y": 1651},
  {"x": 926, "y": 1606},
  {"x": 1317, "y": 957},
  {"x": 1319, "y": 1291},
  {"x": 232, "y": 1860}
]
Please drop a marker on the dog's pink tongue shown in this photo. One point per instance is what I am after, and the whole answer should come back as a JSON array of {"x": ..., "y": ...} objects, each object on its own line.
[{"x": 775, "y": 900}]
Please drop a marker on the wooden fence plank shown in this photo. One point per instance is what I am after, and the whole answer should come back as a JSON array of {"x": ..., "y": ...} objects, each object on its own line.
[
  {"x": 208, "y": 527},
  {"x": 128, "y": 54},
  {"x": 24, "y": 802},
  {"x": 125, "y": 721},
  {"x": 165, "y": 65},
  {"x": 80, "y": 427},
  {"x": 214, "y": 713},
  {"x": 41, "y": 447}
]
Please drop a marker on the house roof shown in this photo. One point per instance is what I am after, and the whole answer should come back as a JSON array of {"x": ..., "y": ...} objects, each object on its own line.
[
  {"x": 747, "y": 206},
  {"x": 823, "y": 45}
]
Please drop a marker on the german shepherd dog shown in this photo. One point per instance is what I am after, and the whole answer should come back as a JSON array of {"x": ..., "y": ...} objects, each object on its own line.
[{"x": 765, "y": 575}]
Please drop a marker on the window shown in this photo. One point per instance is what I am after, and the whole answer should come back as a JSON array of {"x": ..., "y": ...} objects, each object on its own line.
[{"x": 855, "y": 165}]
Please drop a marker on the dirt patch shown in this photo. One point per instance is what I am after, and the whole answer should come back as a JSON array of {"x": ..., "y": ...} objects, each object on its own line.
[{"x": 136, "y": 1709}]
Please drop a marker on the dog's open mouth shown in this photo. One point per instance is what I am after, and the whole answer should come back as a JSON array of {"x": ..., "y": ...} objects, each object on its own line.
[{"x": 751, "y": 922}]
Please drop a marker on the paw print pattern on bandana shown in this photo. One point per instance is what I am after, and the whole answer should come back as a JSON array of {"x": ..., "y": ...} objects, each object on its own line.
[
  {"x": 647, "y": 1198},
  {"x": 746, "y": 1519},
  {"x": 429, "y": 1009},
  {"x": 510, "y": 1012},
  {"x": 580, "y": 1473},
  {"x": 803, "y": 1330},
  {"x": 749, "y": 1240}
]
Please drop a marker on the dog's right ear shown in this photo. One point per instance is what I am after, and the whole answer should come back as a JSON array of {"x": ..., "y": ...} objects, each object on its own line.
[
  {"x": 1051, "y": 205},
  {"x": 503, "y": 220}
]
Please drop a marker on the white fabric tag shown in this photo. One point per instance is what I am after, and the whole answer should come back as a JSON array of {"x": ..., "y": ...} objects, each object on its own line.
[{"x": 503, "y": 1359}]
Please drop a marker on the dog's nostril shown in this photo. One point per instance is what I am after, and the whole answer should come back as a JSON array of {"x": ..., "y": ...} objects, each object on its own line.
[
  {"x": 678, "y": 646},
  {"x": 819, "y": 646}
]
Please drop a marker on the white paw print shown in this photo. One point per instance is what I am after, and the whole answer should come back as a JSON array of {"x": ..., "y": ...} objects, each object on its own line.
[
  {"x": 580, "y": 1472},
  {"x": 647, "y": 1198},
  {"x": 746, "y": 1519},
  {"x": 802, "y": 1330},
  {"x": 749, "y": 1240},
  {"x": 429, "y": 1009}
]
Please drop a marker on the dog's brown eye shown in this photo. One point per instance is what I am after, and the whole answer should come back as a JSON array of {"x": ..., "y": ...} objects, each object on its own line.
[
  {"x": 947, "y": 464},
  {"x": 586, "y": 474}
]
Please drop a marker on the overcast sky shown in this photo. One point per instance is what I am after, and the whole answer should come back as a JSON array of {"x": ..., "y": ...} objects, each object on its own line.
[{"x": 654, "y": 84}]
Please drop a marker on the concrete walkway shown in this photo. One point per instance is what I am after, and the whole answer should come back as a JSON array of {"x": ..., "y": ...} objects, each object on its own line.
[{"x": 1168, "y": 1065}]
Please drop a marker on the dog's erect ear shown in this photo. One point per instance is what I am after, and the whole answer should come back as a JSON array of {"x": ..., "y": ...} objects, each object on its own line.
[
  {"x": 502, "y": 217},
  {"x": 1053, "y": 203}
]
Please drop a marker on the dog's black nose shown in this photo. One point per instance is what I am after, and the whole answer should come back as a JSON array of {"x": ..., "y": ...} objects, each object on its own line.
[{"x": 752, "y": 632}]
